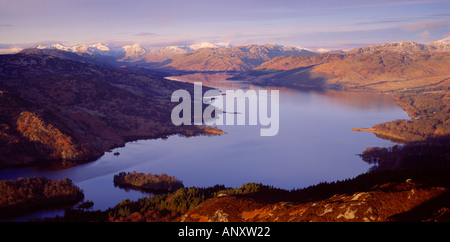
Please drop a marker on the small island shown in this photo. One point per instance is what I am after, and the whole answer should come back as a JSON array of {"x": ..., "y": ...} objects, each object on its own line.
[
  {"x": 28, "y": 194},
  {"x": 147, "y": 182}
]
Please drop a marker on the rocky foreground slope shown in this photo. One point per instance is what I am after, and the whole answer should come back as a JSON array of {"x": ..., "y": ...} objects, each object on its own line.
[{"x": 354, "y": 200}]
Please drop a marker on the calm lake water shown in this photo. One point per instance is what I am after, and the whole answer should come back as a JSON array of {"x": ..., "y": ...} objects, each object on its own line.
[{"x": 314, "y": 144}]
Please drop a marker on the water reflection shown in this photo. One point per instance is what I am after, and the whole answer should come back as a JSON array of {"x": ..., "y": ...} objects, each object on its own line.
[{"x": 342, "y": 99}]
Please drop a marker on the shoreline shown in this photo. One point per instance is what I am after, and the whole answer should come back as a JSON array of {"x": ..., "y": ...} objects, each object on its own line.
[{"x": 385, "y": 135}]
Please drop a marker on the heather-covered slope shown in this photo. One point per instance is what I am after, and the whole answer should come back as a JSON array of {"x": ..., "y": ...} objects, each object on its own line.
[{"x": 386, "y": 202}]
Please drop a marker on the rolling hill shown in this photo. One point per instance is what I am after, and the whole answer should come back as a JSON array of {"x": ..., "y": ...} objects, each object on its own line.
[{"x": 386, "y": 67}]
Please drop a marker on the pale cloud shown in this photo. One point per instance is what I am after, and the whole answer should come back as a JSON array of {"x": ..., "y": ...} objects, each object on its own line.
[
  {"x": 383, "y": 21},
  {"x": 159, "y": 19},
  {"x": 426, "y": 25},
  {"x": 425, "y": 35},
  {"x": 142, "y": 34}
]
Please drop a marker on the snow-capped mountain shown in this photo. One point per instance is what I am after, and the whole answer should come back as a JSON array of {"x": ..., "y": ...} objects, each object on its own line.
[
  {"x": 406, "y": 47},
  {"x": 98, "y": 49},
  {"x": 95, "y": 49},
  {"x": 10, "y": 51},
  {"x": 239, "y": 58},
  {"x": 164, "y": 53},
  {"x": 441, "y": 45},
  {"x": 133, "y": 52},
  {"x": 181, "y": 55},
  {"x": 322, "y": 50},
  {"x": 55, "y": 46},
  {"x": 121, "y": 53}
]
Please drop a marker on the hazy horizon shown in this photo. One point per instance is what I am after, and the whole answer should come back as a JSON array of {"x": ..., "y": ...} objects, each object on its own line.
[{"x": 153, "y": 24}]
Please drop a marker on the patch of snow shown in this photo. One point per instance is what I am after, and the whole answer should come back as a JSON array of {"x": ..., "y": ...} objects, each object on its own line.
[
  {"x": 209, "y": 45},
  {"x": 10, "y": 51},
  {"x": 322, "y": 50}
]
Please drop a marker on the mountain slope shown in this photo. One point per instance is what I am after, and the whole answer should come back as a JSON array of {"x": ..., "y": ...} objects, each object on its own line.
[
  {"x": 298, "y": 61},
  {"x": 405, "y": 47},
  {"x": 238, "y": 58},
  {"x": 68, "y": 55},
  {"x": 98, "y": 49},
  {"x": 59, "y": 109},
  {"x": 391, "y": 66},
  {"x": 133, "y": 52},
  {"x": 197, "y": 57},
  {"x": 388, "y": 71},
  {"x": 440, "y": 45}
]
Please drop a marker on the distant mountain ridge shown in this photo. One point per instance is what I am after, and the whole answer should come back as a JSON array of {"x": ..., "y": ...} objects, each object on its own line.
[
  {"x": 162, "y": 54},
  {"x": 239, "y": 58},
  {"x": 203, "y": 56},
  {"x": 129, "y": 53},
  {"x": 386, "y": 67},
  {"x": 133, "y": 52},
  {"x": 406, "y": 47},
  {"x": 222, "y": 57},
  {"x": 98, "y": 49}
]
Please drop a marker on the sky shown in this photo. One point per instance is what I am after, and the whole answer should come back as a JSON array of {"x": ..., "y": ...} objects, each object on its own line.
[{"x": 328, "y": 24}]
